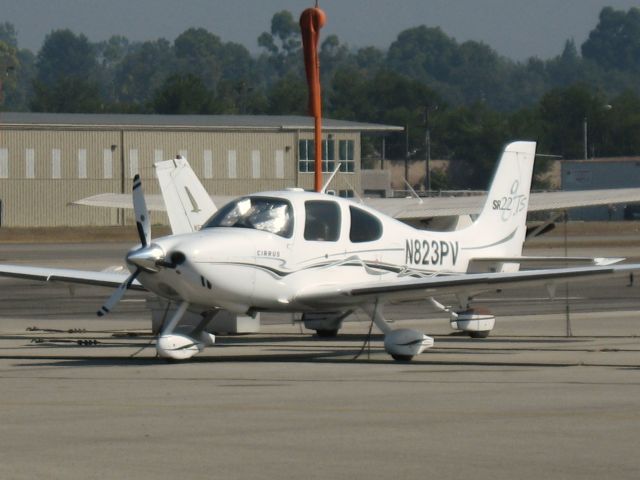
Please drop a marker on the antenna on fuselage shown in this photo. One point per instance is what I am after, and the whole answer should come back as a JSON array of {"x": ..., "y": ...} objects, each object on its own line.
[
  {"x": 328, "y": 182},
  {"x": 413, "y": 192}
]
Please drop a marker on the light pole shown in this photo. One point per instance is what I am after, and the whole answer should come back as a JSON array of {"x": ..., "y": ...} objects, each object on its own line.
[
  {"x": 427, "y": 144},
  {"x": 585, "y": 131}
]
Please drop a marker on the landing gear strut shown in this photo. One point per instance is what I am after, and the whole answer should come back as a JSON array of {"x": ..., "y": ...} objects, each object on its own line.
[
  {"x": 175, "y": 346},
  {"x": 403, "y": 343}
]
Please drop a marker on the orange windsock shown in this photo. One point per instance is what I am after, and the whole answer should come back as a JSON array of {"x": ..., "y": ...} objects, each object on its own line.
[{"x": 311, "y": 21}]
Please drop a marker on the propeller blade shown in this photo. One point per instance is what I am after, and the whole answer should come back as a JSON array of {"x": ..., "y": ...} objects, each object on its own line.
[
  {"x": 117, "y": 295},
  {"x": 142, "y": 214}
]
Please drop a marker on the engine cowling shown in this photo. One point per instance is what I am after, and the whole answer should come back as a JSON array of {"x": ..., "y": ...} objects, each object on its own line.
[
  {"x": 478, "y": 323},
  {"x": 405, "y": 343}
]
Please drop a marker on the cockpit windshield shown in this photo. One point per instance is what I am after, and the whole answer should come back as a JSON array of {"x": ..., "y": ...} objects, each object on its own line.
[{"x": 272, "y": 215}]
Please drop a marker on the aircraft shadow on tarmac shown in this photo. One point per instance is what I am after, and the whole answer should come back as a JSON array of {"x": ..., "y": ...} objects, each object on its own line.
[{"x": 340, "y": 350}]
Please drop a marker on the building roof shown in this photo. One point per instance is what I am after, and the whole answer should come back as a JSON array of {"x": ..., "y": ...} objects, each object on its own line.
[
  {"x": 186, "y": 122},
  {"x": 602, "y": 160}
]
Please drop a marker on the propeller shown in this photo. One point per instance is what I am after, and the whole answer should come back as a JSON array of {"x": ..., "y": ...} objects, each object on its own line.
[
  {"x": 142, "y": 215},
  {"x": 144, "y": 232}
]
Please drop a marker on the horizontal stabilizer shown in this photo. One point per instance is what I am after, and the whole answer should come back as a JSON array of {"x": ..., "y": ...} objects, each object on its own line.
[{"x": 154, "y": 202}]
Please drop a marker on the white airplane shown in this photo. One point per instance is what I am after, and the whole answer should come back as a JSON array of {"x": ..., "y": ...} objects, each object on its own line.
[{"x": 296, "y": 251}]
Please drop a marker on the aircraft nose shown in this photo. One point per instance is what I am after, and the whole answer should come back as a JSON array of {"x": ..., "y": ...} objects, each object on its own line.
[{"x": 147, "y": 258}]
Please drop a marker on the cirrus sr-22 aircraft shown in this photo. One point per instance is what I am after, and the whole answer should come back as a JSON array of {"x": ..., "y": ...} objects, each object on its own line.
[{"x": 316, "y": 254}]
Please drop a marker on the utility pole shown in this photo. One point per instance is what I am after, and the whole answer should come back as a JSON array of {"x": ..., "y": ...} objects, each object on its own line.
[
  {"x": 585, "y": 130},
  {"x": 427, "y": 144},
  {"x": 406, "y": 153}
]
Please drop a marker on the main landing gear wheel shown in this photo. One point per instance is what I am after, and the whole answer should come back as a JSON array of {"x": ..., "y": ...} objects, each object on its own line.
[
  {"x": 480, "y": 334},
  {"x": 327, "y": 333},
  {"x": 402, "y": 358}
]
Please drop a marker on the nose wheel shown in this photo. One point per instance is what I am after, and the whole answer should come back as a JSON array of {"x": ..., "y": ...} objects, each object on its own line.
[{"x": 174, "y": 346}]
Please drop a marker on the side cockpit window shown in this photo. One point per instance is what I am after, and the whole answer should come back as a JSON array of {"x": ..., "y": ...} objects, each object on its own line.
[
  {"x": 322, "y": 223},
  {"x": 364, "y": 226}
]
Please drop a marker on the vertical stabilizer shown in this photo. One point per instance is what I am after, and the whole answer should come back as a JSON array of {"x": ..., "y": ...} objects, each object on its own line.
[
  {"x": 188, "y": 203},
  {"x": 501, "y": 226}
]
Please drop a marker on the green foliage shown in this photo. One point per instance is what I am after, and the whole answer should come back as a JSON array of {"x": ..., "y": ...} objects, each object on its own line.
[
  {"x": 283, "y": 46},
  {"x": 288, "y": 96},
  {"x": 65, "y": 55},
  {"x": 183, "y": 94},
  {"x": 69, "y": 95},
  {"x": 471, "y": 137},
  {"x": 615, "y": 42},
  {"x": 143, "y": 70},
  {"x": 8, "y": 34},
  {"x": 8, "y": 64}
]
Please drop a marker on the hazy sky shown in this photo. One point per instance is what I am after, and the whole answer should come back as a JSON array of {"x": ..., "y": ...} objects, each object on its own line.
[{"x": 515, "y": 28}]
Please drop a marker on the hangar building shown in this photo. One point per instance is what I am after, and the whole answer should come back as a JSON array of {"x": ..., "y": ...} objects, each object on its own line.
[
  {"x": 49, "y": 160},
  {"x": 596, "y": 173}
]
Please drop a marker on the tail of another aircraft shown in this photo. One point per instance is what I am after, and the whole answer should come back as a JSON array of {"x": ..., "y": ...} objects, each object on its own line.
[
  {"x": 188, "y": 203},
  {"x": 500, "y": 229}
]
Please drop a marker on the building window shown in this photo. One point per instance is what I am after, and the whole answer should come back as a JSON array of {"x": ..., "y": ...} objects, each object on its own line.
[
  {"x": 231, "y": 163},
  {"x": 346, "y": 155},
  {"x": 56, "y": 168},
  {"x": 107, "y": 163},
  {"x": 134, "y": 167},
  {"x": 255, "y": 163},
  {"x": 208, "y": 164},
  {"x": 4, "y": 163},
  {"x": 279, "y": 163},
  {"x": 306, "y": 152},
  {"x": 345, "y": 193},
  {"x": 82, "y": 163},
  {"x": 30, "y": 163}
]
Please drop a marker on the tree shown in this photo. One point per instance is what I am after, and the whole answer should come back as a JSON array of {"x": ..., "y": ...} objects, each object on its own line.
[
  {"x": 65, "y": 55},
  {"x": 66, "y": 75},
  {"x": 223, "y": 67},
  {"x": 183, "y": 94},
  {"x": 619, "y": 134},
  {"x": 69, "y": 95},
  {"x": 615, "y": 42},
  {"x": 472, "y": 138},
  {"x": 8, "y": 34},
  {"x": 561, "y": 114},
  {"x": 288, "y": 96},
  {"x": 143, "y": 71},
  {"x": 9, "y": 64},
  {"x": 283, "y": 45},
  {"x": 424, "y": 54}
]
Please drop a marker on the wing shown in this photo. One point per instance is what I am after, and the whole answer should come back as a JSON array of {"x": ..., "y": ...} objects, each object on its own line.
[
  {"x": 67, "y": 275},
  {"x": 411, "y": 208},
  {"x": 420, "y": 288}
]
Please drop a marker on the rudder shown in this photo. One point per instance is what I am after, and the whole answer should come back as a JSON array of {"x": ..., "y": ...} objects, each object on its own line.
[{"x": 501, "y": 224}]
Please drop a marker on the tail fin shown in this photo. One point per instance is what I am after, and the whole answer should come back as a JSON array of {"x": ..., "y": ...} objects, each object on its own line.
[
  {"x": 188, "y": 203},
  {"x": 501, "y": 226}
]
